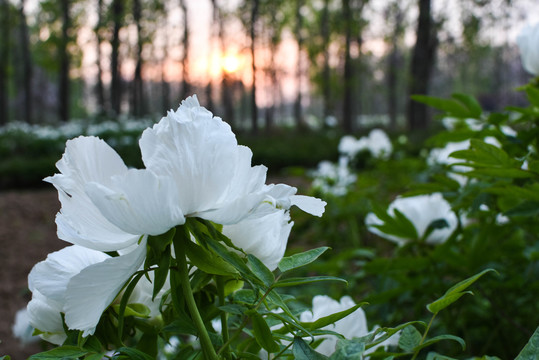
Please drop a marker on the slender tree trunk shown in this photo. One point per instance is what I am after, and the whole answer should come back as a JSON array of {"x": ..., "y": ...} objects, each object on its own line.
[
  {"x": 116, "y": 82},
  {"x": 99, "y": 89},
  {"x": 138, "y": 96},
  {"x": 326, "y": 72},
  {"x": 186, "y": 86},
  {"x": 27, "y": 65},
  {"x": 393, "y": 11},
  {"x": 64, "y": 85},
  {"x": 298, "y": 113},
  {"x": 421, "y": 67},
  {"x": 348, "y": 76},
  {"x": 4, "y": 60},
  {"x": 254, "y": 108}
]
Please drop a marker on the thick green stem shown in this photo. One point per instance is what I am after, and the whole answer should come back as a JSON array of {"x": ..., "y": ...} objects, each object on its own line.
[{"x": 205, "y": 341}]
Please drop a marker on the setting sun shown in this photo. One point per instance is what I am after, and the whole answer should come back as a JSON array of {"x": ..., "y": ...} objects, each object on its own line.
[{"x": 230, "y": 63}]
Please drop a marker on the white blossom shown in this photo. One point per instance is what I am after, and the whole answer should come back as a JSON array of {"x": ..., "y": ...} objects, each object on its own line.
[
  {"x": 528, "y": 44},
  {"x": 421, "y": 210}
]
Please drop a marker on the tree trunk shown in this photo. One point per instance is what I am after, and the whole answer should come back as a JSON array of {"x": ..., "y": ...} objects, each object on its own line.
[
  {"x": 393, "y": 11},
  {"x": 186, "y": 86},
  {"x": 421, "y": 67},
  {"x": 4, "y": 60},
  {"x": 138, "y": 96},
  {"x": 63, "y": 87},
  {"x": 347, "y": 110},
  {"x": 99, "y": 89},
  {"x": 254, "y": 108},
  {"x": 298, "y": 113},
  {"x": 326, "y": 71},
  {"x": 116, "y": 82}
]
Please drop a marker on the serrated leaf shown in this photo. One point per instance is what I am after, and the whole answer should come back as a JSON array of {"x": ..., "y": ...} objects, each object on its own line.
[
  {"x": 62, "y": 352},
  {"x": 530, "y": 351},
  {"x": 262, "y": 333},
  {"x": 455, "y": 292},
  {"x": 206, "y": 261},
  {"x": 332, "y": 318},
  {"x": 260, "y": 270},
  {"x": 301, "y": 259},
  {"x": 302, "y": 351},
  {"x": 410, "y": 338}
]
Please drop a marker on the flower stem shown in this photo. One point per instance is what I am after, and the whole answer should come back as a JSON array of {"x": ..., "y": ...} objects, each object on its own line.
[
  {"x": 224, "y": 322},
  {"x": 424, "y": 335},
  {"x": 205, "y": 341}
]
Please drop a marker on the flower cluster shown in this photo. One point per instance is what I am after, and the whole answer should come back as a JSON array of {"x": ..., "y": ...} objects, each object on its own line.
[
  {"x": 194, "y": 168},
  {"x": 332, "y": 178},
  {"x": 377, "y": 143}
]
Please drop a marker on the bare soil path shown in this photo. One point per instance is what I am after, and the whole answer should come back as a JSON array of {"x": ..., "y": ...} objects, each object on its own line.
[{"x": 27, "y": 235}]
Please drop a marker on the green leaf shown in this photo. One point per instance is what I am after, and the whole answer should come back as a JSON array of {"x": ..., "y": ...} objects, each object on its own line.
[
  {"x": 302, "y": 351},
  {"x": 455, "y": 292},
  {"x": 260, "y": 270},
  {"x": 436, "y": 339},
  {"x": 182, "y": 325},
  {"x": 533, "y": 95},
  {"x": 62, "y": 352},
  {"x": 301, "y": 259},
  {"x": 530, "y": 351},
  {"x": 436, "y": 356},
  {"x": 410, "y": 338},
  {"x": 484, "y": 154},
  {"x": 332, "y": 318},
  {"x": 349, "y": 349},
  {"x": 159, "y": 254},
  {"x": 471, "y": 104},
  {"x": 123, "y": 302},
  {"x": 398, "y": 225},
  {"x": 132, "y": 354},
  {"x": 206, "y": 261},
  {"x": 527, "y": 208},
  {"x": 450, "y": 106},
  {"x": 308, "y": 280},
  {"x": 262, "y": 333}
]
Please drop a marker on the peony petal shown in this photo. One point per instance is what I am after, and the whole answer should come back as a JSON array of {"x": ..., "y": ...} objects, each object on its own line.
[
  {"x": 91, "y": 291},
  {"x": 44, "y": 315},
  {"x": 51, "y": 276},
  {"x": 139, "y": 202},
  {"x": 87, "y": 159},
  {"x": 309, "y": 204}
]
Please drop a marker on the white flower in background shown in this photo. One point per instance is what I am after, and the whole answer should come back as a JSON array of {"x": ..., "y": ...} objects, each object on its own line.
[
  {"x": 332, "y": 178},
  {"x": 352, "y": 326},
  {"x": 451, "y": 123},
  {"x": 528, "y": 44},
  {"x": 441, "y": 156},
  {"x": 421, "y": 210},
  {"x": 377, "y": 143},
  {"x": 22, "y": 329}
]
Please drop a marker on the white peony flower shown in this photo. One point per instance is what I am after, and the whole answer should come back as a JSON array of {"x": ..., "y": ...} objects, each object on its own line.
[
  {"x": 528, "y": 44},
  {"x": 421, "y": 210},
  {"x": 194, "y": 168},
  {"x": 352, "y": 326},
  {"x": 82, "y": 283},
  {"x": 333, "y": 178}
]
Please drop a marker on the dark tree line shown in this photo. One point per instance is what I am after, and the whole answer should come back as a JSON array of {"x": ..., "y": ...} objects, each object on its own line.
[{"x": 40, "y": 59}]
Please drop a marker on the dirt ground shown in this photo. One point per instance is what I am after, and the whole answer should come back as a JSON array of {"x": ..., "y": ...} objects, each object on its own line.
[{"x": 27, "y": 235}]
